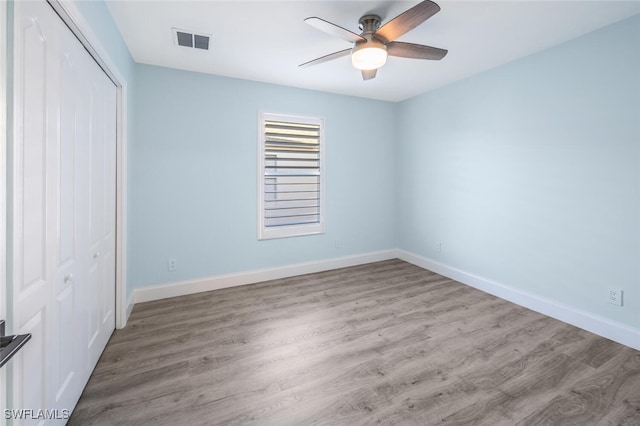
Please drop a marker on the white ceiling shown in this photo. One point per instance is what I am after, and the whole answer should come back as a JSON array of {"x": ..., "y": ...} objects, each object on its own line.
[{"x": 267, "y": 40}]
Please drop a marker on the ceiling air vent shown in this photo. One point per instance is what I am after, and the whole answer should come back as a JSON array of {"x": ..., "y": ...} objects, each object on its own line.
[{"x": 190, "y": 39}]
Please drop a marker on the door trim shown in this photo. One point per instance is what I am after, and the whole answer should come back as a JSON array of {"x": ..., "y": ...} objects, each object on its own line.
[
  {"x": 73, "y": 18},
  {"x": 3, "y": 189}
]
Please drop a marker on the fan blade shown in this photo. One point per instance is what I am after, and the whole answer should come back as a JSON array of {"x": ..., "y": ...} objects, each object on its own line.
[
  {"x": 407, "y": 20},
  {"x": 325, "y": 58},
  {"x": 333, "y": 29},
  {"x": 416, "y": 51},
  {"x": 369, "y": 74}
]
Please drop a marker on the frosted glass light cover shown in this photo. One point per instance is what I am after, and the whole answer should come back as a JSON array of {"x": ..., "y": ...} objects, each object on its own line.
[{"x": 369, "y": 58}]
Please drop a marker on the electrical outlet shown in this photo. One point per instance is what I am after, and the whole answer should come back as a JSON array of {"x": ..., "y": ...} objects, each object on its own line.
[
  {"x": 171, "y": 264},
  {"x": 338, "y": 243},
  {"x": 614, "y": 296},
  {"x": 438, "y": 247}
]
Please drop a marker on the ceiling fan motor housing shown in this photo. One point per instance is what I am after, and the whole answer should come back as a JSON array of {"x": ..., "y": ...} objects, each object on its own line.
[{"x": 369, "y": 24}]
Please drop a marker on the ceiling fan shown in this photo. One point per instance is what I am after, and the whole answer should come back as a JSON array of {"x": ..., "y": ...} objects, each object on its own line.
[{"x": 375, "y": 43}]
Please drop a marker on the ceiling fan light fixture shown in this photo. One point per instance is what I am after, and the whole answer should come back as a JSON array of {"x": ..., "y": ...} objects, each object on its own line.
[
  {"x": 369, "y": 56},
  {"x": 371, "y": 47}
]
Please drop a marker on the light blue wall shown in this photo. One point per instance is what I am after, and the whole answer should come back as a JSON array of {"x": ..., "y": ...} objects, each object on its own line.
[
  {"x": 193, "y": 176},
  {"x": 102, "y": 24},
  {"x": 529, "y": 174}
]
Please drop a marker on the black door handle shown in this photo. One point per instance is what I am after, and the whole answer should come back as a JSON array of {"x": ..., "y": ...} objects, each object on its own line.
[{"x": 9, "y": 345}]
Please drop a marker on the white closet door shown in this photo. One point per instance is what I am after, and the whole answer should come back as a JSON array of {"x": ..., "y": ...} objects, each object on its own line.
[
  {"x": 35, "y": 183},
  {"x": 63, "y": 210},
  {"x": 67, "y": 362},
  {"x": 101, "y": 210}
]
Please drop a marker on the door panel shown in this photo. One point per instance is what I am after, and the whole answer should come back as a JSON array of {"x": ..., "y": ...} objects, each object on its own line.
[
  {"x": 63, "y": 211},
  {"x": 94, "y": 315},
  {"x": 66, "y": 360},
  {"x": 65, "y": 328},
  {"x": 95, "y": 216},
  {"x": 34, "y": 165},
  {"x": 30, "y": 368},
  {"x": 108, "y": 315},
  {"x": 97, "y": 174},
  {"x": 34, "y": 215},
  {"x": 82, "y": 189},
  {"x": 68, "y": 95},
  {"x": 102, "y": 224},
  {"x": 107, "y": 250}
]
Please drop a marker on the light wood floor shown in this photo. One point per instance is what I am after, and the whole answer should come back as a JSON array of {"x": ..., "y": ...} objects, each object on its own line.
[{"x": 385, "y": 343}]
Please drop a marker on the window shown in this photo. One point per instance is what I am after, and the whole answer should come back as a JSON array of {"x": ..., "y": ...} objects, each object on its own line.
[{"x": 290, "y": 176}]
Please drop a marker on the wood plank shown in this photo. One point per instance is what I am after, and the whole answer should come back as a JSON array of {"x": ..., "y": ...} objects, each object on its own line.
[{"x": 386, "y": 343}]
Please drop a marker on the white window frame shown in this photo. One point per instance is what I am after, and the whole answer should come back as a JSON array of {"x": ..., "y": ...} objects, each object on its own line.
[{"x": 265, "y": 233}]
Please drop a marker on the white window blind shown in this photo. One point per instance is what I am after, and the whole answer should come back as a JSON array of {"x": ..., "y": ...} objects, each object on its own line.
[{"x": 291, "y": 183}]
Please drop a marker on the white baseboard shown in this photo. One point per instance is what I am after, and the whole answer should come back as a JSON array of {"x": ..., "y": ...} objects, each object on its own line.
[
  {"x": 181, "y": 288},
  {"x": 601, "y": 326}
]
